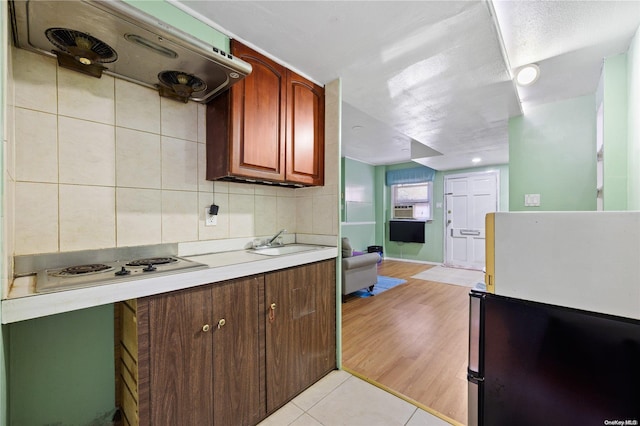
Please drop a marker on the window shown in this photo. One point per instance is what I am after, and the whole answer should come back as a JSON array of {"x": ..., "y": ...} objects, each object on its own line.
[{"x": 412, "y": 200}]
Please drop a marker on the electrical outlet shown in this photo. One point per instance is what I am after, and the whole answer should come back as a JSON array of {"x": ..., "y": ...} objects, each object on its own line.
[{"x": 210, "y": 219}]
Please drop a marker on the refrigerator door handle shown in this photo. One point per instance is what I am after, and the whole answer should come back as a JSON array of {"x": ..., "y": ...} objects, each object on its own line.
[
  {"x": 475, "y": 370},
  {"x": 475, "y": 334}
]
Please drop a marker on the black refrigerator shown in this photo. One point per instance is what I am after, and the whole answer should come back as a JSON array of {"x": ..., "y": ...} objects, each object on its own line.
[{"x": 537, "y": 364}]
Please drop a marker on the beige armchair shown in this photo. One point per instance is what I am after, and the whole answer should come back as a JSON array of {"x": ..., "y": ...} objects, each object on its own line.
[{"x": 358, "y": 272}]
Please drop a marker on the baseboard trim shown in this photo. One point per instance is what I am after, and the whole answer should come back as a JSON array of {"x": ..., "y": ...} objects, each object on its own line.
[{"x": 425, "y": 262}]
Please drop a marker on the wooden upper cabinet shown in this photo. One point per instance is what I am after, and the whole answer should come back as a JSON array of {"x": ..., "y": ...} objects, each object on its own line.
[
  {"x": 267, "y": 127},
  {"x": 258, "y": 117},
  {"x": 305, "y": 131}
]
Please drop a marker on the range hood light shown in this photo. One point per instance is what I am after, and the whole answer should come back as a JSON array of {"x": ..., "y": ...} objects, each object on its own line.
[{"x": 84, "y": 61}]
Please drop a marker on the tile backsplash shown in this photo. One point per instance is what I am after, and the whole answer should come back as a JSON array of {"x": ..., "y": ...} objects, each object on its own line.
[{"x": 103, "y": 163}]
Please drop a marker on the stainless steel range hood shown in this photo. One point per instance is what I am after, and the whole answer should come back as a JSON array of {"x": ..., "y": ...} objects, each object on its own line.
[{"x": 114, "y": 38}]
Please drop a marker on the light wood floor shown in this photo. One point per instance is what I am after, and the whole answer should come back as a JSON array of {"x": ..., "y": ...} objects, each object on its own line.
[{"x": 412, "y": 339}]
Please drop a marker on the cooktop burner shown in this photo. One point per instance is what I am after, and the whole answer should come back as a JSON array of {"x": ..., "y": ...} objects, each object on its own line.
[
  {"x": 100, "y": 273},
  {"x": 82, "y": 270},
  {"x": 152, "y": 261}
]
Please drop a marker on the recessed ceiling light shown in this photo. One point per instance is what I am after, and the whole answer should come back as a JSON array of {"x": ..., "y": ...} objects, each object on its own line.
[
  {"x": 527, "y": 75},
  {"x": 476, "y": 160}
]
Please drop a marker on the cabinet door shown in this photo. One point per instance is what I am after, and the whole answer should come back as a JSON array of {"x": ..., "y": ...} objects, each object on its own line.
[
  {"x": 305, "y": 131},
  {"x": 180, "y": 358},
  {"x": 300, "y": 331},
  {"x": 258, "y": 118},
  {"x": 238, "y": 390}
]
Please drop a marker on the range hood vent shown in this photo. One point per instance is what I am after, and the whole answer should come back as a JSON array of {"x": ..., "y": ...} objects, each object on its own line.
[{"x": 114, "y": 38}]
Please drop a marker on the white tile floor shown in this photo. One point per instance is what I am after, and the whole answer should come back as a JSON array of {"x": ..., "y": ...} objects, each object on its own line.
[{"x": 342, "y": 399}]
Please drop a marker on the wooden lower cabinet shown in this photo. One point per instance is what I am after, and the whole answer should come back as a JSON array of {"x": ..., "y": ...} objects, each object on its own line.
[
  {"x": 300, "y": 332},
  {"x": 218, "y": 354}
]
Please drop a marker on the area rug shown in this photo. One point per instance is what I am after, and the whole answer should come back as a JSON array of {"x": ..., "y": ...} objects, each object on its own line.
[
  {"x": 383, "y": 284},
  {"x": 456, "y": 276}
]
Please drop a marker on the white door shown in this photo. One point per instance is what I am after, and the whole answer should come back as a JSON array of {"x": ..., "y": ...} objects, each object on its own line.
[{"x": 468, "y": 197}]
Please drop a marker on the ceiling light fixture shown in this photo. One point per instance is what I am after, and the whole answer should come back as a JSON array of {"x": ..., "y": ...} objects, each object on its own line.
[
  {"x": 476, "y": 160},
  {"x": 527, "y": 75}
]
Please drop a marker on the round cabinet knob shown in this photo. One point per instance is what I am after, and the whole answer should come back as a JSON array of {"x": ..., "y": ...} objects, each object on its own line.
[
  {"x": 273, "y": 306},
  {"x": 221, "y": 323},
  {"x": 206, "y": 328}
]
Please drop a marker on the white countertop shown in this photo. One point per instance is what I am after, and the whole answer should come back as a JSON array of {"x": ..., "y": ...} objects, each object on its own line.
[{"x": 23, "y": 303}]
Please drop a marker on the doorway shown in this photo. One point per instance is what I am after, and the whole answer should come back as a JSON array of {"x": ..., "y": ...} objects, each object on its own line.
[{"x": 468, "y": 198}]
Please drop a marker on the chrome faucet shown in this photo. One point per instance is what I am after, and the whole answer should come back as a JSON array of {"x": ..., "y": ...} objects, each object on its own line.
[{"x": 272, "y": 239}]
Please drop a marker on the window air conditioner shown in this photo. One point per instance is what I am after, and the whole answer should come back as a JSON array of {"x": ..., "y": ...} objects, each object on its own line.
[{"x": 403, "y": 212}]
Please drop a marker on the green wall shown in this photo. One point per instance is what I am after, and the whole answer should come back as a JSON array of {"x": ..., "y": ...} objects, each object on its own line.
[
  {"x": 615, "y": 132},
  {"x": 433, "y": 248},
  {"x": 359, "y": 212},
  {"x": 633, "y": 122},
  {"x": 177, "y": 18},
  {"x": 62, "y": 369},
  {"x": 552, "y": 153}
]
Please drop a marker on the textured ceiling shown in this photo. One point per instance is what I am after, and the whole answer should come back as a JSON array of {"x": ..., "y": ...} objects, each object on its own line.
[{"x": 432, "y": 73}]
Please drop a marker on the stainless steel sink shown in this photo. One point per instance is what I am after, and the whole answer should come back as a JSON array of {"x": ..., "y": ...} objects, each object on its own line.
[{"x": 288, "y": 249}]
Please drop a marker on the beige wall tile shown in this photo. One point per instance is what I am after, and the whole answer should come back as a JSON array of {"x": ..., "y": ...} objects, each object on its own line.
[
  {"x": 241, "y": 215},
  {"x": 304, "y": 215},
  {"x": 9, "y": 129},
  {"x": 138, "y": 159},
  {"x": 138, "y": 216},
  {"x": 242, "y": 188},
  {"x": 202, "y": 123},
  {"x": 36, "y": 150},
  {"x": 32, "y": 201},
  {"x": 324, "y": 214},
  {"x": 137, "y": 107},
  {"x": 35, "y": 81},
  {"x": 286, "y": 214},
  {"x": 179, "y": 216},
  {"x": 86, "y": 97},
  {"x": 87, "y": 217},
  {"x": 179, "y": 164},
  {"x": 266, "y": 215},
  {"x": 204, "y": 185},
  {"x": 220, "y": 187},
  {"x": 266, "y": 190},
  {"x": 87, "y": 152},
  {"x": 179, "y": 120},
  {"x": 221, "y": 229}
]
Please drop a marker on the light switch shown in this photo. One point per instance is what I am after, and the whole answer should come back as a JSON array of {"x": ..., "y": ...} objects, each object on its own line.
[
  {"x": 438, "y": 205},
  {"x": 532, "y": 200}
]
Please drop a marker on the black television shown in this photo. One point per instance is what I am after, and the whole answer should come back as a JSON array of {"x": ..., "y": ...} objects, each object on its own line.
[{"x": 407, "y": 231}]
